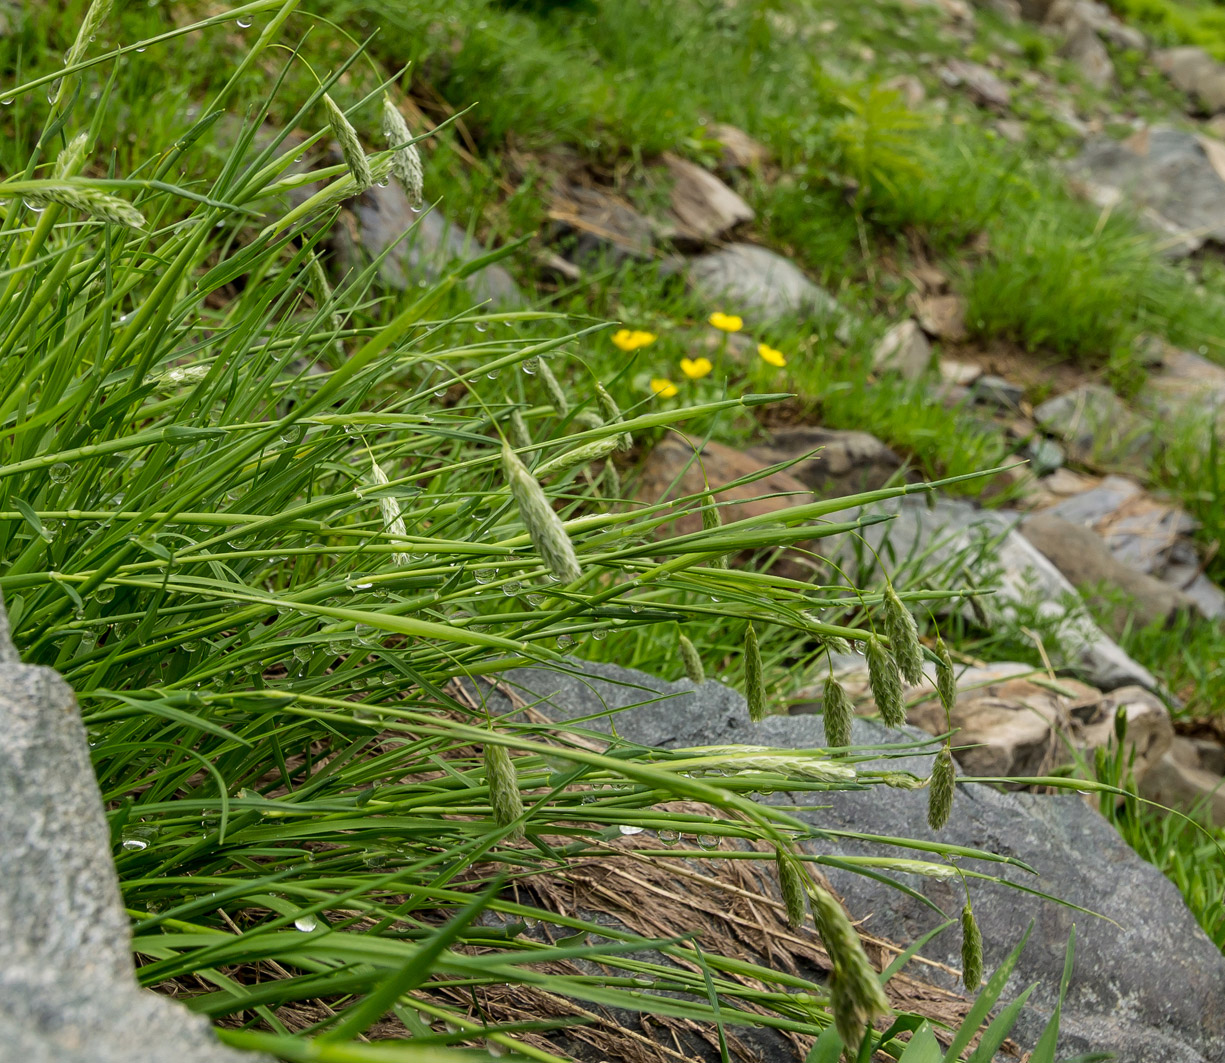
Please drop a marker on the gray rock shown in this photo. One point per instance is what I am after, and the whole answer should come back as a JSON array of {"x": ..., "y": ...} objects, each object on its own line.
[
  {"x": 418, "y": 246},
  {"x": 1167, "y": 175},
  {"x": 903, "y": 350},
  {"x": 1096, "y": 426},
  {"x": 1193, "y": 71},
  {"x": 950, "y": 538},
  {"x": 1175, "y": 783},
  {"x": 1186, "y": 385},
  {"x": 1045, "y": 456},
  {"x": 983, "y": 86},
  {"x": 762, "y": 286},
  {"x": 594, "y": 226},
  {"x": 995, "y": 391},
  {"x": 1085, "y": 50},
  {"x": 1085, "y": 559},
  {"x": 67, "y": 977},
  {"x": 1151, "y": 988},
  {"x": 846, "y": 462}
]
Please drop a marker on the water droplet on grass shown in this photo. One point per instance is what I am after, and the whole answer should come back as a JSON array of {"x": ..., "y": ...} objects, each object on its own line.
[
  {"x": 708, "y": 841},
  {"x": 244, "y": 23},
  {"x": 305, "y": 923},
  {"x": 626, "y": 828}
]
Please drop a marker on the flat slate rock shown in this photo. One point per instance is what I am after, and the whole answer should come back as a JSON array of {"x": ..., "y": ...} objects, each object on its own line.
[
  {"x": 758, "y": 284},
  {"x": 1096, "y": 426},
  {"x": 67, "y": 979},
  {"x": 1150, "y": 986}
]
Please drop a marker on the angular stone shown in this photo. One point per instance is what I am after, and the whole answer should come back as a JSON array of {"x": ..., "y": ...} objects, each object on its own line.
[
  {"x": 704, "y": 208},
  {"x": 672, "y": 470},
  {"x": 1167, "y": 174},
  {"x": 1085, "y": 50},
  {"x": 762, "y": 286},
  {"x": 1086, "y": 560},
  {"x": 984, "y": 87},
  {"x": 1178, "y": 785},
  {"x": 903, "y": 350},
  {"x": 1193, "y": 71},
  {"x": 419, "y": 246},
  {"x": 1186, "y": 384},
  {"x": 737, "y": 150},
  {"x": 942, "y": 316},
  {"x": 594, "y": 226},
  {"x": 67, "y": 978},
  {"x": 1096, "y": 426},
  {"x": 846, "y": 462},
  {"x": 1114, "y": 1004},
  {"x": 1045, "y": 456},
  {"x": 961, "y": 374},
  {"x": 995, "y": 391},
  {"x": 987, "y": 544}
]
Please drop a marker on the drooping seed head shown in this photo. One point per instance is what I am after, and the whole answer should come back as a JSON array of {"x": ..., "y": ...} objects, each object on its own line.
[
  {"x": 946, "y": 678},
  {"x": 589, "y": 420},
  {"x": 503, "y": 783},
  {"x": 557, "y": 397},
  {"x": 576, "y": 456},
  {"x": 903, "y": 637},
  {"x": 350, "y": 146},
  {"x": 791, "y": 877},
  {"x": 754, "y": 681},
  {"x": 405, "y": 159},
  {"x": 692, "y": 660},
  {"x": 712, "y": 521},
  {"x": 544, "y": 526},
  {"x": 389, "y": 509},
  {"x": 612, "y": 414},
  {"x": 971, "y": 950},
  {"x": 837, "y": 711},
  {"x": 941, "y": 788},
  {"x": 519, "y": 435},
  {"x": 885, "y": 682},
  {"x": 855, "y": 990},
  {"x": 88, "y": 200},
  {"x": 610, "y": 487},
  {"x": 95, "y": 15}
]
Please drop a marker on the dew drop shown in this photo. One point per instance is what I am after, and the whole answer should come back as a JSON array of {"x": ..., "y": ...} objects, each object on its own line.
[
  {"x": 303, "y": 653},
  {"x": 530, "y": 365},
  {"x": 535, "y": 599},
  {"x": 305, "y": 923},
  {"x": 33, "y": 208},
  {"x": 626, "y": 828},
  {"x": 104, "y": 593},
  {"x": 564, "y": 641},
  {"x": 243, "y": 23},
  {"x": 708, "y": 841},
  {"x": 485, "y": 575},
  {"x": 440, "y": 393},
  {"x": 6, "y": 102},
  {"x": 512, "y": 588},
  {"x": 669, "y": 837},
  {"x": 481, "y": 326},
  {"x": 60, "y": 472}
]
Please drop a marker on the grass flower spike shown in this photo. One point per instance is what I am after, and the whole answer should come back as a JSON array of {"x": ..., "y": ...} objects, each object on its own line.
[
  {"x": 771, "y": 356},
  {"x": 754, "y": 681},
  {"x": 664, "y": 388},
  {"x": 612, "y": 414},
  {"x": 696, "y": 368},
  {"x": 791, "y": 881},
  {"x": 627, "y": 340},
  {"x": 941, "y": 788},
  {"x": 350, "y": 147},
  {"x": 692, "y": 660},
  {"x": 405, "y": 159},
  {"x": 885, "y": 682},
  {"x": 503, "y": 785},
  {"x": 946, "y": 678},
  {"x": 544, "y": 527},
  {"x": 389, "y": 508},
  {"x": 557, "y": 397},
  {"x": 904, "y": 637},
  {"x": 971, "y": 950},
  {"x": 837, "y": 711},
  {"x": 726, "y": 322},
  {"x": 77, "y": 195}
]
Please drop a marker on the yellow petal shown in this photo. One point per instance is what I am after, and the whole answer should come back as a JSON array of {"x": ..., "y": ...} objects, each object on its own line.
[
  {"x": 624, "y": 339},
  {"x": 665, "y": 389},
  {"x": 643, "y": 339},
  {"x": 726, "y": 322},
  {"x": 769, "y": 354},
  {"x": 696, "y": 368}
]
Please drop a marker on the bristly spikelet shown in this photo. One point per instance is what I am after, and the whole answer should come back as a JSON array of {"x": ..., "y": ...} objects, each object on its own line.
[
  {"x": 885, "y": 682},
  {"x": 791, "y": 881},
  {"x": 405, "y": 159},
  {"x": 855, "y": 990},
  {"x": 544, "y": 526},
  {"x": 612, "y": 414},
  {"x": 95, "y": 15},
  {"x": 692, "y": 660},
  {"x": 87, "y": 200},
  {"x": 837, "y": 710},
  {"x": 971, "y": 950},
  {"x": 610, "y": 486},
  {"x": 589, "y": 420},
  {"x": 754, "y": 681},
  {"x": 350, "y": 147},
  {"x": 557, "y": 397},
  {"x": 503, "y": 785},
  {"x": 583, "y": 455},
  {"x": 519, "y": 435},
  {"x": 946, "y": 678},
  {"x": 903, "y": 637},
  {"x": 323, "y": 295},
  {"x": 940, "y": 791},
  {"x": 389, "y": 508},
  {"x": 69, "y": 161}
]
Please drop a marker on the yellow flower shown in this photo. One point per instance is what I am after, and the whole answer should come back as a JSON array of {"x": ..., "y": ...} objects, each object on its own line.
[
  {"x": 665, "y": 389},
  {"x": 695, "y": 368},
  {"x": 631, "y": 341},
  {"x": 769, "y": 354},
  {"x": 726, "y": 322}
]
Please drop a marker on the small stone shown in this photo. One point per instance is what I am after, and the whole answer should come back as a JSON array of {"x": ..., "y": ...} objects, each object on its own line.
[
  {"x": 984, "y": 87},
  {"x": 903, "y": 350},
  {"x": 845, "y": 461},
  {"x": 738, "y": 150},
  {"x": 1085, "y": 50},
  {"x": 1045, "y": 456},
  {"x": 942, "y": 317},
  {"x": 962, "y": 374},
  {"x": 593, "y": 226},
  {"x": 703, "y": 207},
  {"x": 1096, "y": 426},
  {"x": 998, "y": 392},
  {"x": 1180, "y": 786}
]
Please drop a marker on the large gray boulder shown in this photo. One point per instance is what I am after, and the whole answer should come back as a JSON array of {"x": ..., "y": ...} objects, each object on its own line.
[
  {"x": 67, "y": 980},
  {"x": 1147, "y": 983}
]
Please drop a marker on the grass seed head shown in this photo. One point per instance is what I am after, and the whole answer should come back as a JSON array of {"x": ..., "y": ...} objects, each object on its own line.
[
  {"x": 837, "y": 710},
  {"x": 69, "y": 161},
  {"x": 712, "y": 521},
  {"x": 754, "y": 682},
  {"x": 95, "y": 15},
  {"x": 583, "y": 455},
  {"x": 389, "y": 509},
  {"x": 903, "y": 637},
  {"x": 855, "y": 990},
  {"x": 612, "y": 414},
  {"x": 946, "y": 678},
  {"x": 97, "y": 204},
  {"x": 557, "y": 397},
  {"x": 885, "y": 682},
  {"x": 405, "y": 158},
  {"x": 350, "y": 146},
  {"x": 971, "y": 950},
  {"x": 543, "y": 525},
  {"x": 692, "y": 660},
  {"x": 519, "y": 435},
  {"x": 610, "y": 486},
  {"x": 941, "y": 787},
  {"x": 791, "y": 877},
  {"x": 503, "y": 783}
]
